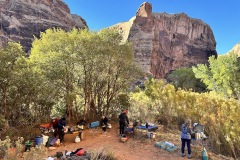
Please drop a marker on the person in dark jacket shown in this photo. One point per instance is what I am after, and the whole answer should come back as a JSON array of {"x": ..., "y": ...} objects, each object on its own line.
[
  {"x": 61, "y": 125},
  {"x": 123, "y": 122},
  {"x": 186, "y": 137},
  {"x": 104, "y": 123}
]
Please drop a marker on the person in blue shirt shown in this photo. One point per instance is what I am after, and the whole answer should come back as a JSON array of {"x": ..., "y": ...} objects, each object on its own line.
[{"x": 186, "y": 131}]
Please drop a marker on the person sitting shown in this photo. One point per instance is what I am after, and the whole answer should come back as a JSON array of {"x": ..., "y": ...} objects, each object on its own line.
[
  {"x": 104, "y": 123},
  {"x": 80, "y": 126},
  {"x": 81, "y": 123}
]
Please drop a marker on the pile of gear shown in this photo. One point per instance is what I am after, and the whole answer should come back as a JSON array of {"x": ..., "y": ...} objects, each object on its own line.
[
  {"x": 170, "y": 147},
  {"x": 78, "y": 154}
]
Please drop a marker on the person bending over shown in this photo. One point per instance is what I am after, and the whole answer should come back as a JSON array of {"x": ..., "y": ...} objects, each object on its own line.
[{"x": 104, "y": 123}]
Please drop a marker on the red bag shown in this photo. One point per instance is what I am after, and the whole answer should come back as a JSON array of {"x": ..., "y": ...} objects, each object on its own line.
[{"x": 80, "y": 152}]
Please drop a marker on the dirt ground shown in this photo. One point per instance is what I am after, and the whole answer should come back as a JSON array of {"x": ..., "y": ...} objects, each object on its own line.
[{"x": 138, "y": 147}]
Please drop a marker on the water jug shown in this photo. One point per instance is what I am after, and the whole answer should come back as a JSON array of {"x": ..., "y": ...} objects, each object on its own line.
[
  {"x": 204, "y": 154},
  {"x": 153, "y": 135},
  {"x": 77, "y": 139}
]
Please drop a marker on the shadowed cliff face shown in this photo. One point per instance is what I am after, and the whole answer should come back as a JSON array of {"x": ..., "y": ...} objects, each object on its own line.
[
  {"x": 164, "y": 42},
  {"x": 21, "y": 20}
]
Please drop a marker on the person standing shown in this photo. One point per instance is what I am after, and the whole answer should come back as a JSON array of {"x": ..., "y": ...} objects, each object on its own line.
[
  {"x": 54, "y": 123},
  {"x": 104, "y": 123},
  {"x": 123, "y": 122},
  {"x": 186, "y": 131},
  {"x": 61, "y": 125}
]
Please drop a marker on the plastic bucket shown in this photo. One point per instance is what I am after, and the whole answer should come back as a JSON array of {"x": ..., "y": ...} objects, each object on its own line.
[{"x": 38, "y": 140}]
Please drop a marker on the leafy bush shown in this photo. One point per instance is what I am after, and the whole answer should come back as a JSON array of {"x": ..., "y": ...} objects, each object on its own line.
[
  {"x": 220, "y": 116},
  {"x": 13, "y": 150}
]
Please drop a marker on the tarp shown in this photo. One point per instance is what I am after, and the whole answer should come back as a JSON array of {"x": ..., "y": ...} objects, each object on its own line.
[
  {"x": 129, "y": 130},
  {"x": 150, "y": 128}
]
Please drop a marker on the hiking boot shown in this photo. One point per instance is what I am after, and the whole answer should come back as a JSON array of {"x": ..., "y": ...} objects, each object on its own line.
[
  {"x": 189, "y": 156},
  {"x": 182, "y": 154}
]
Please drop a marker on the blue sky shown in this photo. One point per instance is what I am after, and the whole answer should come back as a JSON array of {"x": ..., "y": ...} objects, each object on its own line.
[{"x": 221, "y": 15}]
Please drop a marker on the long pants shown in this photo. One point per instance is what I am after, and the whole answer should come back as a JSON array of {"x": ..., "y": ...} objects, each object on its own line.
[
  {"x": 122, "y": 127},
  {"x": 80, "y": 134},
  {"x": 188, "y": 141},
  {"x": 104, "y": 129},
  {"x": 61, "y": 136}
]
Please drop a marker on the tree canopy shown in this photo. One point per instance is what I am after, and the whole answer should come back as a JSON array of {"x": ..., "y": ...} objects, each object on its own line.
[
  {"x": 185, "y": 78},
  {"x": 222, "y": 75},
  {"x": 94, "y": 65}
]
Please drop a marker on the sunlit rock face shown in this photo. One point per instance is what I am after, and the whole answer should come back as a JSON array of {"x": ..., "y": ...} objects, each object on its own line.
[
  {"x": 164, "y": 42},
  {"x": 21, "y": 20},
  {"x": 236, "y": 49}
]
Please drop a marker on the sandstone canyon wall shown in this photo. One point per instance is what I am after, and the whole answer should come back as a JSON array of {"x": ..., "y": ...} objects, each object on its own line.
[
  {"x": 236, "y": 49},
  {"x": 21, "y": 20},
  {"x": 164, "y": 42}
]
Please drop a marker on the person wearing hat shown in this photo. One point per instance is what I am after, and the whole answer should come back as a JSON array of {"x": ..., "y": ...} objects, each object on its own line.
[{"x": 186, "y": 131}]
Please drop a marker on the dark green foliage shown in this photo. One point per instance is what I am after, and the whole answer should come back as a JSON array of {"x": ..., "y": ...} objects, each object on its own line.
[{"x": 185, "y": 78}]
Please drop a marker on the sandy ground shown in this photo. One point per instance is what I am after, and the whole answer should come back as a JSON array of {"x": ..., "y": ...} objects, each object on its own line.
[{"x": 138, "y": 147}]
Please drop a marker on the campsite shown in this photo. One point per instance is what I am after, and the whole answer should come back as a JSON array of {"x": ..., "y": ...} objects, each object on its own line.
[
  {"x": 147, "y": 87},
  {"x": 109, "y": 146}
]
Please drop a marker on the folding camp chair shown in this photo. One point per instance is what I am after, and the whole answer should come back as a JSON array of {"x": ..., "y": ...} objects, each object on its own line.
[{"x": 93, "y": 127}]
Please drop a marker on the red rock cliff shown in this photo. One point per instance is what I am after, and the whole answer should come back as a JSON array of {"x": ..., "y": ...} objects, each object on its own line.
[
  {"x": 20, "y": 20},
  {"x": 164, "y": 42}
]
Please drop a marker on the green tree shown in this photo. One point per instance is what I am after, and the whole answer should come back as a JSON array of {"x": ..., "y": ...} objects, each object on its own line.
[
  {"x": 108, "y": 68},
  {"x": 185, "y": 78},
  {"x": 97, "y": 62},
  {"x": 54, "y": 55},
  {"x": 222, "y": 75},
  {"x": 9, "y": 57},
  {"x": 22, "y": 93}
]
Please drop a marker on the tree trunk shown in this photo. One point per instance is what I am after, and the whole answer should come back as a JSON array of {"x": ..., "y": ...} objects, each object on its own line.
[{"x": 4, "y": 102}]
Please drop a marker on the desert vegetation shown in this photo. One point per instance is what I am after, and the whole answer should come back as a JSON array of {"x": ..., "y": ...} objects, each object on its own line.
[{"x": 88, "y": 74}]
